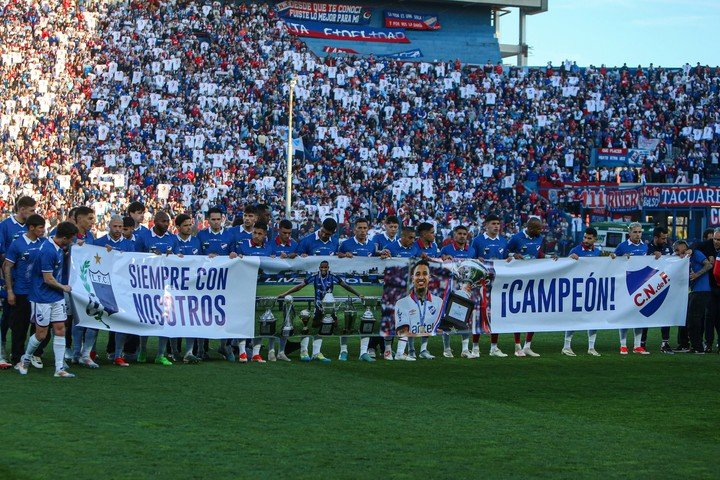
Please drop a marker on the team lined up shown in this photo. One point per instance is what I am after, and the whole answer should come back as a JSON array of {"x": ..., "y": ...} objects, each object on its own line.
[{"x": 36, "y": 276}]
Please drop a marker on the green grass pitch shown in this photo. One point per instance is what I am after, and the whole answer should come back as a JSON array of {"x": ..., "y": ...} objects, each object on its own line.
[{"x": 552, "y": 417}]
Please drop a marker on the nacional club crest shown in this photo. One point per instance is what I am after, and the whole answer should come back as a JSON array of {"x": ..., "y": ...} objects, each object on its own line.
[
  {"x": 99, "y": 287},
  {"x": 648, "y": 289}
]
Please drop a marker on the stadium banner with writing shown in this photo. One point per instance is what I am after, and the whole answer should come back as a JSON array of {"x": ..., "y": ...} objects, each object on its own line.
[
  {"x": 618, "y": 157},
  {"x": 408, "y": 54},
  {"x": 328, "y": 49},
  {"x": 325, "y": 12},
  {"x": 340, "y": 32},
  {"x": 163, "y": 295},
  {"x": 614, "y": 200},
  {"x": 590, "y": 293},
  {"x": 411, "y": 21},
  {"x": 695, "y": 196}
]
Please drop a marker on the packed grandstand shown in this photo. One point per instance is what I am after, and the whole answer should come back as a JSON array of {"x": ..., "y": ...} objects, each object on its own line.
[{"x": 184, "y": 105}]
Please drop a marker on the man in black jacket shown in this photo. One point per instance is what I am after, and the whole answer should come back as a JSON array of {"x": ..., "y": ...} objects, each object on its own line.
[{"x": 711, "y": 248}]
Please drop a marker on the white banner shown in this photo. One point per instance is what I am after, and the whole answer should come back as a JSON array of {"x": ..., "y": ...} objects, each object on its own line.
[
  {"x": 169, "y": 296},
  {"x": 589, "y": 293}
]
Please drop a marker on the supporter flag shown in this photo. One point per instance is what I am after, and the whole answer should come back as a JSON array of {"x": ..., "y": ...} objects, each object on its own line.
[
  {"x": 339, "y": 50},
  {"x": 298, "y": 148},
  {"x": 342, "y": 32},
  {"x": 411, "y": 21},
  {"x": 416, "y": 53}
]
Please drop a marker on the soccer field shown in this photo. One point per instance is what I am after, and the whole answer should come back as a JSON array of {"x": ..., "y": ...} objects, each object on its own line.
[{"x": 553, "y": 417}]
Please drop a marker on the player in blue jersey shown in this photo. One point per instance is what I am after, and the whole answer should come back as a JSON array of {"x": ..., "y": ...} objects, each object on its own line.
[
  {"x": 159, "y": 241},
  {"x": 405, "y": 246},
  {"x": 83, "y": 337},
  {"x": 20, "y": 260},
  {"x": 47, "y": 301},
  {"x": 692, "y": 332},
  {"x": 320, "y": 242},
  {"x": 426, "y": 240},
  {"x": 136, "y": 211},
  {"x": 257, "y": 246},
  {"x": 631, "y": 247},
  {"x": 527, "y": 244},
  {"x": 357, "y": 246},
  {"x": 323, "y": 283},
  {"x": 586, "y": 248},
  {"x": 283, "y": 244},
  {"x": 458, "y": 248},
  {"x": 381, "y": 240},
  {"x": 116, "y": 240},
  {"x": 244, "y": 232},
  {"x": 660, "y": 244},
  {"x": 10, "y": 229},
  {"x": 490, "y": 245},
  {"x": 217, "y": 240},
  {"x": 188, "y": 244}
]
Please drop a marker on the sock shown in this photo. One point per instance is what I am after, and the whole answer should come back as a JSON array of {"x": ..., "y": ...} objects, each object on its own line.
[
  {"x": 256, "y": 347},
  {"x": 90, "y": 336},
  {"x": 33, "y": 344},
  {"x": 529, "y": 336},
  {"x": 317, "y": 344},
  {"x": 283, "y": 342},
  {"x": 446, "y": 341},
  {"x": 402, "y": 343},
  {"x": 493, "y": 346},
  {"x": 592, "y": 335},
  {"x": 271, "y": 344},
  {"x": 189, "y": 345},
  {"x": 638, "y": 337},
  {"x": 528, "y": 344},
  {"x": 423, "y": 344},
  {"x": 343, "y": 344},
  {"x": 77, "y": 339},
  {"x": 59, "y": 351},
  {"x": 388, "y": 345},
  {"x": 119, "y": 344},
  {"x": 568, "y": 339},
  {"x": 304, "y": 346},
  {"x": 411, "y": 345},
  {"x": 517, "y": 338},
  {"x": 465, "y": 342},
  {"x": 364, "y": 343},
  {"x": 241, "y": 346},
  {"x": 623, "y": 337},
  {"x": 143, "y": 344},
  {"x": 162, "y": 346}
]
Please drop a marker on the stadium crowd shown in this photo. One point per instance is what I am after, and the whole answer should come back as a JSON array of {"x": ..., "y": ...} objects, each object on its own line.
[{"x": 183, "y": 105}]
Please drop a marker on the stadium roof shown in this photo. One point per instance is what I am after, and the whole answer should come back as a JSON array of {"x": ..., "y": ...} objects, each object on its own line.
[{"x": 529, "y": 6}]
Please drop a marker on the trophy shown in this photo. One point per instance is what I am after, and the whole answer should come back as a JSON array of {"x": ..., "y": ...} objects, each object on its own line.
[
  {"x": 460, "y": 306},
  {"x": 328, "y": 307},
  {"x": 267, "y": 319},
  {"x": 288, "y": 330},
  {"x": 367, "y": 322},
  {"x": 305, "y": 319},
  {"x": 350, "y": 314}
]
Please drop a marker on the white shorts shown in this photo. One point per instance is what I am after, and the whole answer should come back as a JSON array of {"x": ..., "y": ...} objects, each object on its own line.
[{"x": 43, "y": 314}]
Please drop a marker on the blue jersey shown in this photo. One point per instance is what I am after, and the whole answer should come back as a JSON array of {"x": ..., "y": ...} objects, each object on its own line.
[
  {"x": 278, "y": 247},
  {"x": 397, "y": 250},
  {"x": 23, "y": 254},
  {"x": 219, "y": 243},
  {"x": 10, "y": 230},
  {"x": 381, "y": 241},
  {"x": 121, "y": 245},
  {"x": 249, "y": 248},
  {"x": 524, "y": 245},
  {"x": 51, "y": 259},
  {"x": 322, "y": 285},
  {"x": 140, "y": 230},
  {"x": 455, "y": 251},
  {"x": 490, "y": 248},
  {"x": 629, "y": 248},
  {"x": 312, "y": 245},
  {"x": 150, "y": 242},
  {"x": 351, "y": 245},
  {"x": 191, "y": 246},
  {"x": 431, "y": 250},
  {"x": 241, "y": 234},
  {"x": 702, "y": 283},
  {"x": 581, "y": 251}
]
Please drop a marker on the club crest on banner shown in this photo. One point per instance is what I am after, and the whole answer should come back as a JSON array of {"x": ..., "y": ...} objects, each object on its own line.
[
  {"x": 648, "y": 289},
  {"x": 101, "y": 295}
]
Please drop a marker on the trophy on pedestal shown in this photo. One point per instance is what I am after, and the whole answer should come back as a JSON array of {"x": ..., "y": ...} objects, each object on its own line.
[
  {"x": 350, "y": 315},
  {"x": 288, "y": 329},
  {"x": 268, "y": 321},
  {"x": 467, "y": 274},
  {"x": 328, "y": 306}
]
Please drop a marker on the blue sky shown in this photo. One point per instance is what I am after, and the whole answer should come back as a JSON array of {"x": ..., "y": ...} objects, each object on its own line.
[{"x": 665, "y": 32}]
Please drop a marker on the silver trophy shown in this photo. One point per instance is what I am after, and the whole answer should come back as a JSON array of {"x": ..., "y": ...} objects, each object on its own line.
[
  {"x": 367, "y": 322},
  {"x": 268, "y": 321},
  {"x": 328, "y": 306},
  {"x": 467, "y": 274},
  {"x": 288, "y": 330},
  {"x": 350, "y": 316}
]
